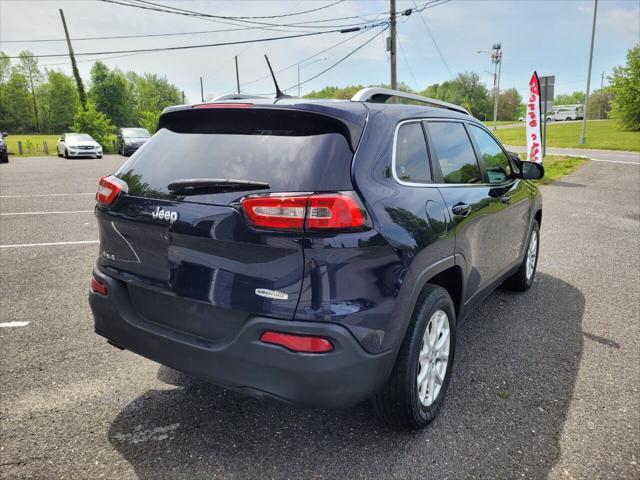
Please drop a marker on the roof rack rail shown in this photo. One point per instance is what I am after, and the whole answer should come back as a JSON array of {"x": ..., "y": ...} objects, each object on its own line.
[
  {"x": 381, "y": 95},
  {"x": 235, "y": 96}
]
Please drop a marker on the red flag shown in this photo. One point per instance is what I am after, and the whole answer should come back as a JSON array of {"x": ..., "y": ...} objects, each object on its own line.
[{"x": 533, "y": 121}]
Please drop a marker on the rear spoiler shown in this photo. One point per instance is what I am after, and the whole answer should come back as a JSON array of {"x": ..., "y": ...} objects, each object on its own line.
[{"x": 249, "y": 118}]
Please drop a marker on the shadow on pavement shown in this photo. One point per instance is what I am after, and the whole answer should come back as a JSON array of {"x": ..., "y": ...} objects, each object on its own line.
[{"x": 517, "y": 361}]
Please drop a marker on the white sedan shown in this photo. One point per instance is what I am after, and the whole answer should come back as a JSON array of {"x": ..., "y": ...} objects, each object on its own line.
[{"x": 78, "y": 145}]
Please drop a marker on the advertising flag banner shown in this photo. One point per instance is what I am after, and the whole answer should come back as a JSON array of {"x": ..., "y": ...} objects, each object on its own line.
[{"x": 534, "y": 121}]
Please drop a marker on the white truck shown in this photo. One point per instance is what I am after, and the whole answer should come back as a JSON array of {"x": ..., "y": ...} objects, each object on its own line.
[{"x": 561, "y": 113}]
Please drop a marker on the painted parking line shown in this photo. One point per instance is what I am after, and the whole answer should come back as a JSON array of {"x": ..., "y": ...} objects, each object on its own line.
[
  {"x": 44, "y": 213},
  {"x": 13, "y": 324},
  {"x": 48, "y": 195},
  {"x": 50, "y": 244},
  {"x": 607, "y": 161}
]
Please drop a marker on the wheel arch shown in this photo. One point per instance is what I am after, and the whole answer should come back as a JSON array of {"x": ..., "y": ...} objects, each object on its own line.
[
  {"x": 447, "y": 273},
  {"x": 538, "y": 217}
]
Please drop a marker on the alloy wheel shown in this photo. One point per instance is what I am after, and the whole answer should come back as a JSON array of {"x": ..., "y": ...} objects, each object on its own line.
[
  {"x": 532, "y": 254},
  {"x": 434, "y": 357}
]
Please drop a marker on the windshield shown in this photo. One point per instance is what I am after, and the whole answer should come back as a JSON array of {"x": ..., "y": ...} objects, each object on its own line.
[
  {"x": 135, "y": 133},
  {"x": 80, "y": 137}
]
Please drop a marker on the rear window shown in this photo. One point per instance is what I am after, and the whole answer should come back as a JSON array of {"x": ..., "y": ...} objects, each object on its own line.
[
  {"x": 292, "y": 151},
  {"x": 411, "y": 154},
  {"x": 454, "y": 151}
]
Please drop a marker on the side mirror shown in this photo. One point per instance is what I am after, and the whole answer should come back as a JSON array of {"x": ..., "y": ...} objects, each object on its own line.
[
  {"x": 4, "y": 134},
  {"x": 531, "y": 170}
]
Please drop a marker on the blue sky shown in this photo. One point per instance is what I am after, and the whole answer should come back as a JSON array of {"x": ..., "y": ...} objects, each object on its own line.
[{"x": 550, "y": 36}]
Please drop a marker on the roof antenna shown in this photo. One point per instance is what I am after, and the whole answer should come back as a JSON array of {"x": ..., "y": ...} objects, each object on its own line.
[{"x": 279, "y": 93}]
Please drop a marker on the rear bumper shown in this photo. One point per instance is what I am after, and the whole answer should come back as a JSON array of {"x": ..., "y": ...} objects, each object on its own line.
[{"x": 341, "y": 378}]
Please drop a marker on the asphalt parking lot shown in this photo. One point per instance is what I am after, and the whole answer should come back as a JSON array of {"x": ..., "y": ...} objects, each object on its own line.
[{"x": 546, "y": 383}]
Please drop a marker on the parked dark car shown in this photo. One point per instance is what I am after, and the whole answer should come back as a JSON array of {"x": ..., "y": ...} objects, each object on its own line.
[
  {"x": 315, "y": 252},
  {"x": 4, "y": 151},
  {"x": 129, "y": 140}
]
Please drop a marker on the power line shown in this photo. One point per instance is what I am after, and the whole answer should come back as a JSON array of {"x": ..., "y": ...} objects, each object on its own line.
[
  {"x": 433, "y": 38},
  {"x": 219, "y": 44},
  {"x": 341, "y": 60},
  {"x": 218, "y": 18},
  {"x": 192, "y": 13},
  {"x": 276, "y": 16},
  {"x": 304, "y": 59},
  {"x": 150, "y": 35},
  {"x": 224, "y": 30},
  {"x": 408, "y": 66}
]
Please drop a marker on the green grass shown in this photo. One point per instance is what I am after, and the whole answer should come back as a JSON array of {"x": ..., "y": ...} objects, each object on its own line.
[
  {"x": 489, "y": 123},
  {"x": 557, "y": 166},
  {"x": 601, "y": 134},
  {"x": 32, "y": 145}
]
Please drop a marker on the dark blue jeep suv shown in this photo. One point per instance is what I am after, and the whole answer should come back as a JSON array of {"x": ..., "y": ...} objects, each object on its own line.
[{"x": 315, "y": 252}]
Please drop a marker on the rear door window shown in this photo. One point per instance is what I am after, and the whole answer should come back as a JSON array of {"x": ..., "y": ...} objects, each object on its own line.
[
  {"x": 290, "y": 151},
  {"x": 494, "y": 159},
  {"x": 452, "y": 147},
  {"x": 412, "y": 157}
]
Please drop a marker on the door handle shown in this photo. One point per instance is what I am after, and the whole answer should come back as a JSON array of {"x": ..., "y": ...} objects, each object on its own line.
[
  {"x": 506, "y": 199},
  {"x": 461, "y": 209}
]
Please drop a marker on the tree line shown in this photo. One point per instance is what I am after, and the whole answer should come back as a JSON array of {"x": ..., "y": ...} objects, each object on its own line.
[
  {"x": 33, "y": 101},
  {"x": 37, "y": 101},
  {"x": 620, "y": 100}
]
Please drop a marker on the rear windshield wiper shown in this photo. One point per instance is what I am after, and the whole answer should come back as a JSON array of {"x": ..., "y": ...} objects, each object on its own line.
[{"x": 194, "y": 186}]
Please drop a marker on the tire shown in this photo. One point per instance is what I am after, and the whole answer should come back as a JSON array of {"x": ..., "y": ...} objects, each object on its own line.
[
  {"x": 66, "y": 153},
  {"x": 399, "y": 402},
  {"x": 98, "y": 156},
  {"x": 523, "y": 278},
  {"x": 58, "y": 152}
]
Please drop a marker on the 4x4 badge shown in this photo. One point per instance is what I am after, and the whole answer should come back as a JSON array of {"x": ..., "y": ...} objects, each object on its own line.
[{"x": 163, "y": 214}]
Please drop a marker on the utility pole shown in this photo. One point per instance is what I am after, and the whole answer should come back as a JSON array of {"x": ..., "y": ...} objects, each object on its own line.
[
  {"x": 601, "y": 93},
  {"x": 201, "y": 91},
  {"x": 183, "y": 97},
  {"x": 496, "y": 58},
  {"x": 300, "y": 65},
  {"x": 237, "y": 76},
  {"x": 392, "y": 44},
  {"x": 583, "y": 138},
  {"x": 74, "y": 66}
]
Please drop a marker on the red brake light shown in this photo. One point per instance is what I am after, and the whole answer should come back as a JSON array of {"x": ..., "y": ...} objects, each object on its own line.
[
  {"x": 298, "y": 343},
  {"x": 324, "y": 211},
  {"x": 334, "y": 210},
  {"x": 109, "y": 188},
  {"x": 223, "y": 105},
  {"x": 273, "y": 211},
  {"x": 97, "y": 287}
]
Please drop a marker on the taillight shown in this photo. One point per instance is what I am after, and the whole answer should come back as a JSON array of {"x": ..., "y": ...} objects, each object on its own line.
[
  {"x": 298, "y": 343},
  {"x": 334, "y": 211},
  {"x": 272, "y": 211},
  {"x": 97, "y": 287},
  {"x": 322, "y": 211},
  {"x": 109, "y": 188}
]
